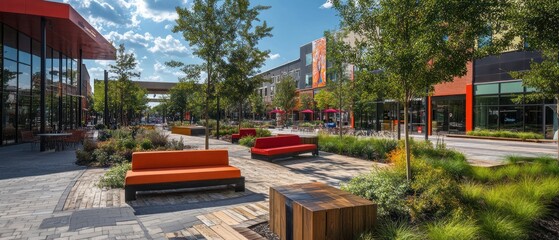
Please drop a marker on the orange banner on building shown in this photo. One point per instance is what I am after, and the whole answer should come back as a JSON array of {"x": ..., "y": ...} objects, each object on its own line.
[{"x": 319, "y": 63}]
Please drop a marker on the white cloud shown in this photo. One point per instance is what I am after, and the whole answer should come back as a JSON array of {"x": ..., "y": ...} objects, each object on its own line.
[
  {"x": 157, "y": 10},
  {"x": 168, "y": 26},
  {"x": 159, "y": 67},
  {"x": 274, "y": 56},
  {"x": 103, "y": 63},
  {"x": 152, "y": 78},
  {"x": 327, "y": 4},
  {"x": 131, "y": 37},
  {"x": 168, "y": 45}
]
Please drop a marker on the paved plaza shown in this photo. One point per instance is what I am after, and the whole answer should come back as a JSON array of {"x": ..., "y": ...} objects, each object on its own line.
[{"x": 44, "y": 195}]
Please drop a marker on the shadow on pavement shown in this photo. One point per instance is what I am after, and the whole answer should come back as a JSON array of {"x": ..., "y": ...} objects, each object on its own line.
[{"x": 21, "y": 161}]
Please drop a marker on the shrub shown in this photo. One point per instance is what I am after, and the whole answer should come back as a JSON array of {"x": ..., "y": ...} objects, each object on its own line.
[
  {"x": 247, "y": 141},
  {"x": 157, "y": 139},
  {"x": 247, "y": 124},
  {"x": 83, "y": 157},
  {"x": 114, "y": 178},
  {"x": 370, "y": 149},
  {"x": 127, "y": 143},
  {"x": 89, "y": 145},
  {"x": 263, "y": 132},
  {"x": 175, "y": 144},
  {"x": 101, "y": 157},
  {"x": 100, "y": 126},
  {"x": 146, "y": 144},
  {"x": 388, "y": 188},
  {"x": 103, "y": 135},
  {"x": 506, "y": 134},
  {"x": 117, "y": 158}
]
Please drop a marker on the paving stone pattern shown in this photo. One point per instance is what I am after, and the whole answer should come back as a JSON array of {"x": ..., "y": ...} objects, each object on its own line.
[{"x": 45, "y": 195}]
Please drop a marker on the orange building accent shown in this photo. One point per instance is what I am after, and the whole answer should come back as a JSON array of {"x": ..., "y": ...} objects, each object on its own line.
[{"x": 469, "y": 107}]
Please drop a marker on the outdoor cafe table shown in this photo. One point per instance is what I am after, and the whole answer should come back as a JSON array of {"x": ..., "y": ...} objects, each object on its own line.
[{"x": 56, "y": 139}]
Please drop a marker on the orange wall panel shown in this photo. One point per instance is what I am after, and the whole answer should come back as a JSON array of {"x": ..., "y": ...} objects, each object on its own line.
[
  {"x": 457, "y": 86},
  {"x": 469, "y": 107}
]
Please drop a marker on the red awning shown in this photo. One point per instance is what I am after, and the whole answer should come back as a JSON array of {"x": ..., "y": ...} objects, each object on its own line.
[{"x": 67, "y": 31}]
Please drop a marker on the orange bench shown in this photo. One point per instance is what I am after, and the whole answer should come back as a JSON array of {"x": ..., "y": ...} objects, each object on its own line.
[
  {"x": 180, "y": 169},
  {"x": 269, "y": 148},
  {"x": 243, "y": 133}
]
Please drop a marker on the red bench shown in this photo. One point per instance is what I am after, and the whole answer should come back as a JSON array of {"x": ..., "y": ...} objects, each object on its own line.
[
  {"x": 243, "y": 133},
  {"x": 269, "y": 148},
  {"x": 180, "y": 169}
]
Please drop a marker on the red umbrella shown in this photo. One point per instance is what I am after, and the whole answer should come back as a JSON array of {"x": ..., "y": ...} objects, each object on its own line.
[
  {"x": 307, "y": 111},
  {"x": 277, "y": 111},
  {"x": 331, "y": 110}
]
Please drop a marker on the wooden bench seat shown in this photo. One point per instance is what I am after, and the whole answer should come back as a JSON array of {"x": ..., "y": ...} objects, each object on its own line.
[
  {"x": 269, "y": 148},
  {"x": 180, "y": 169}
]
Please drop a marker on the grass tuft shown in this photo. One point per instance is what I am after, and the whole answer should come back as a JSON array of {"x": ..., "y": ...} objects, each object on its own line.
[{"x": 456, "y": 229}]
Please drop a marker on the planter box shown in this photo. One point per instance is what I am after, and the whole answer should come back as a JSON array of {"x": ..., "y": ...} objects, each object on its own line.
[
  {"x": 189, "y": 130},
  {"x": 319, "y": 211}
]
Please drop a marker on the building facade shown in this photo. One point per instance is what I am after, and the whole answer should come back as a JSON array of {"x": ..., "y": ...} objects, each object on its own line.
[
  {"x": 487, "y": 97},
  {"x": 44, "y": 81}
]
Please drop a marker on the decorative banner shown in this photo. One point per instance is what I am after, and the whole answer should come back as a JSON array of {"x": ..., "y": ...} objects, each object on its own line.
[{"x": 319, "y": 63}]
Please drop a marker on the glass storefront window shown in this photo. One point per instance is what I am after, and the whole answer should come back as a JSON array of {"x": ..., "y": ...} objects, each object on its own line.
[
  {"x": 24, "y": 49},
  {"x": 482, "y": 89},
  {"x": 512, "y": 87},
  {"x": 511, "y": 99},
  {"x": 511, "y": 118},
  {"x": 487, "y": 100},
  {"x": 24, "y": 97},
  {"x": 533, "y": 117},
  {"x": 9, "y": 96},
  {"x": 486, "y": 117},
  {"x": 10, "y": 43}
]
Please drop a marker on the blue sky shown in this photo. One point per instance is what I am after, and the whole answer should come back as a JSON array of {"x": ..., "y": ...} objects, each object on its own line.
[{"x": 144, "y": 26}]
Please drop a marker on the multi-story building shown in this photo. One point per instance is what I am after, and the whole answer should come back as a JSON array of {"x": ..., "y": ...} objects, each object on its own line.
[
  {"x": 44, "y": 82},
  {"x": 487, "y": 97}
]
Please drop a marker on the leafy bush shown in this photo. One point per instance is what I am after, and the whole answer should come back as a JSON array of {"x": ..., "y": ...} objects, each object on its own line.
[
  {"x": 101, "y": 157},
  {"x": 146, "y": 144},
  {"x": 117, "y": 158},
  {"x": 175, "y": 144},
  {"x": 370, "y": 149},
  {"x": 103, "y": 135},
  {"x": 306, "y": 124},
  {"x": 157, "y": 139},
  {"x": 83, "y": 157},
  {"x": 505, "y": 134},
  {"x": 100, "y": 126},
  {"x": 114, "y": 178},
  {"x": 89, "y": 145},
  {"x": 260, "y": 132},
  {"x": 388, "y": 188},
  {"x": 247, "y": 141},
  {"x": 247, "y": 124},
  {"x": 127, "y": 143}
]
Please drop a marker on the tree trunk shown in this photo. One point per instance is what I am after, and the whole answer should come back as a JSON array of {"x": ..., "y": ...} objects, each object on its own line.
[
  {"x": 407, "y": 143},
  {"x": 557, "y": 113},
  {"x": 207, "y": 110},
  {"x": 240, "y": 112}
]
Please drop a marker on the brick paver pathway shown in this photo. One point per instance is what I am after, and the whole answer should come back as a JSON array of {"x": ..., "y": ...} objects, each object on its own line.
[{"x": 45, "y": 195}]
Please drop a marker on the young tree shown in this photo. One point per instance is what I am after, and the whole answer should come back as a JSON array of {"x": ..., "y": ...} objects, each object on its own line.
[
  {"x": 181, "y": 96},
  {"x": 208, "y": 28},
  {"x": 256, "y": 104},
  {"x": 324, "y": 99},
  {"x": 126, "y": 91},
  {"x": 285, "y": 95},
  {"x": 417, "y": 44},
  {"x": 338, "y": 52},
  {"x": 245, "y": 58},
  {"x": 539, "y": 24}
]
